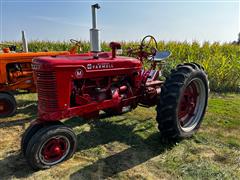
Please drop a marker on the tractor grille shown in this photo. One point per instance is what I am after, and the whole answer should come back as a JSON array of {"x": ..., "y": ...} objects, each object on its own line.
[{"x": 47, "y": 90}]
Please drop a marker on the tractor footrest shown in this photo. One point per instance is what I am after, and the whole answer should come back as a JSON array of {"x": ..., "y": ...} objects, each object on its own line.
[{"x": 154, "y": 83}]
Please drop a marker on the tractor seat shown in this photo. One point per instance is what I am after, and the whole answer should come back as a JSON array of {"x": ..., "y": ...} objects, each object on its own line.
[{"x": 161, "y": 55}]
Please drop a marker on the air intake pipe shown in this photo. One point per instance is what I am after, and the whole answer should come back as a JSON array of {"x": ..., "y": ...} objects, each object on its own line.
[{"x": 94, "y": 32}]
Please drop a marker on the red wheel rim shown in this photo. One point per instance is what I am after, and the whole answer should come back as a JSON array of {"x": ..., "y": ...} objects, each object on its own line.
[
  {"x": 5, "y": 107},
  {"x": 188, "y": 103},
  {"x": 54, "y": 150}
]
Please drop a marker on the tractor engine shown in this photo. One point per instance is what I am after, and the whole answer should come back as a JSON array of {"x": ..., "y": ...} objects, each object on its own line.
[
  {"x": 17, "y": 71},
  {"x": 83, "y": 84},
  {"x": 85, "y": 91}
]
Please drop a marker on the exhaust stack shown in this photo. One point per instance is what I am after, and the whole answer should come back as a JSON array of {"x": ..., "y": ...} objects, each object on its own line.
[
  {"x": 94, "y": 32},
  {"x": 24, "y": 40}
]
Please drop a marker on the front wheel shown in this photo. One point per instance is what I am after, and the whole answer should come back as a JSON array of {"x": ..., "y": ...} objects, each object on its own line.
[
  {"x": 183, "y": 101},
  {"x": 27, "y": 135},
  {"x": 50, "y": 146},
  {"x": 31, "y": 130}
]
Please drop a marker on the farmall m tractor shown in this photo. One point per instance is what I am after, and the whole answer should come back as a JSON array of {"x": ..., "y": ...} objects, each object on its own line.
[
  {"x": 16, "y": 73},
  {"x": 82, "y": 85}
]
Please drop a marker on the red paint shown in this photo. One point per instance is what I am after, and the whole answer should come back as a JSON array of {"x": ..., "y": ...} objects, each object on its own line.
[
  {"x": 54, "y": 149},
  {"x": 188, "y": 103},
  {"x": 6, "y": 50},
  {"x": 4, "y": 106},
  {"x": 114, "y": 46}
]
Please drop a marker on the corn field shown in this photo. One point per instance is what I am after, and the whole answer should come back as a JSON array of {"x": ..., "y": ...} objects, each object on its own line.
[{"x": 221, "y": 61}]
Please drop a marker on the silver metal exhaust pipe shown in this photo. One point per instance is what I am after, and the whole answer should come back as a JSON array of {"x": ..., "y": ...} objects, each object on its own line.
[
  {"x": 94, "y": 32},
  {"x": 24, "y": 41}
]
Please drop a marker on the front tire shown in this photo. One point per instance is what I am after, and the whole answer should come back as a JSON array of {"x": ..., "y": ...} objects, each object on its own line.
[
  {"x": 27, "y": 135},
  {"x": 183, "y": 101},
  {"x": 31, "y": 130},
  {"x": 50, "y": 146}
]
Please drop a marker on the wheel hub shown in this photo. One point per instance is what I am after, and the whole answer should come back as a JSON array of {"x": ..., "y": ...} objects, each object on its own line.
[
  {"x": 188, "y": 104},
  {"x": 54, "y": 149},
  {"x": 4, "y": 106}
]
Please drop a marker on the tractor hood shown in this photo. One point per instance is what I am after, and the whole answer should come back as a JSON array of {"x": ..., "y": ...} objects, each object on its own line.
[{"x": 86, "y": 61}]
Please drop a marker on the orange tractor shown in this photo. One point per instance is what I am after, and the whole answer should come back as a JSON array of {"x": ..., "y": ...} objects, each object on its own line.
[{"x": 16, "y": 73}]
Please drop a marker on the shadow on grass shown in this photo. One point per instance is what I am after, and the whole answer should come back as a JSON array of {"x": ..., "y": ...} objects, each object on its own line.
[
  {"x": 18, "y": 122},
  {"x": 14, "y": 166},
  {"x": 102, "y": 132},
  {"x": 112, "y": 165},
  {"x": 27, "y": 107}
]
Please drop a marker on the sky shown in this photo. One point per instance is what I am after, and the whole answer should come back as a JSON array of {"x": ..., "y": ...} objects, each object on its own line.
[{"x": 59, "y": 20}]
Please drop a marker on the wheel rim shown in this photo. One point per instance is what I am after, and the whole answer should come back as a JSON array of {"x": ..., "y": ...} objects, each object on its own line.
[
  {"x": 191, "y": 105},
  {"x": 54, "y": 150},
  {"x": 5, "y": 106}
]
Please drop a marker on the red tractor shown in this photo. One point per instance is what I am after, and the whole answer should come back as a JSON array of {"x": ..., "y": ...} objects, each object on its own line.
[{"x": 82, "y": 85}]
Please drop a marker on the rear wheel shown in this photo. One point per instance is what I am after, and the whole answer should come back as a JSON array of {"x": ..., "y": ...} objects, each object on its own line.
[
  {"x": 50, "y": 146},
  {"x": 183, "y": 101},
  {"x": 8, "y": 105}
]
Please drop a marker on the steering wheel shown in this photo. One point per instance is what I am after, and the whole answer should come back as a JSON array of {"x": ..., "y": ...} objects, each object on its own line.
[
  {"x": 146, "y": 50},
  {"x": 77, "y": 45},
  {"x": 75, "y": 42}
]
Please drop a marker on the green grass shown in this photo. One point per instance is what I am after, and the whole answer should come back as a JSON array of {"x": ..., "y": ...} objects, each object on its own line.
[{"x": 130, "y": 147}]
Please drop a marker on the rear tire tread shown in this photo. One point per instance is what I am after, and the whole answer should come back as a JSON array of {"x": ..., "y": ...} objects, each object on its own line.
[{"x": 169, "y": 97}]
